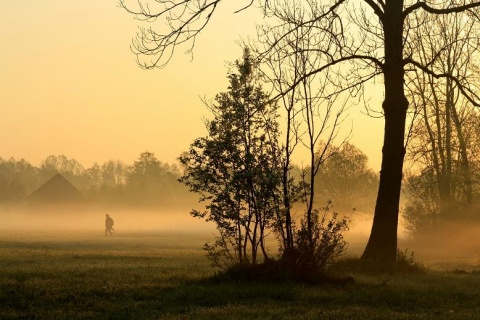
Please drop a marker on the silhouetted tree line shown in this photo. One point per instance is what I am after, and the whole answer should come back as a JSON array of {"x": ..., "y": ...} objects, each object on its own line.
[
  {"x": 344, "y": 178},
  {"x": 147, "y": 182}
]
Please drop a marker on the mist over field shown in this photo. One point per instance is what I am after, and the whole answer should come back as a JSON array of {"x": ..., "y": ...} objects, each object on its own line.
[
  {"x": 457, "y": 245},
  {"x": 92, "y": 221},
  {"x": 22, "y": 223}
]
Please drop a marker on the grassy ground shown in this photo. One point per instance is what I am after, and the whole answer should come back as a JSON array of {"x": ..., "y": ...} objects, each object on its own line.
[{"x": 88, "y": 276}]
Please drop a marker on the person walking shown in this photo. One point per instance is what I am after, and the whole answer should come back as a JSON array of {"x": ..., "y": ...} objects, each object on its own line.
[{"x": 108, "y": 225}]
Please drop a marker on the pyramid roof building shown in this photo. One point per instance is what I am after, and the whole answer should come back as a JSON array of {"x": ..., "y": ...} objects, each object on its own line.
[{"x": 57, "y": 190}]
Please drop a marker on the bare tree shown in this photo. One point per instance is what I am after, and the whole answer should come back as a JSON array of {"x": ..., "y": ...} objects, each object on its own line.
[
  {"x": 348, "y": 35},
  {"x": 441, "y": 137},
  {"x": 278, "y": 76},
  {"x": 312, "y": 117}
]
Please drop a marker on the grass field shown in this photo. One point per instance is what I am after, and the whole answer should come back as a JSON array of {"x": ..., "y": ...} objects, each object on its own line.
[{"x": 165, "y": 276}]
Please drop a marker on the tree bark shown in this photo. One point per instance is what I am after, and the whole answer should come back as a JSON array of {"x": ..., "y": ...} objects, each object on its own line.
[{"x": 382, "y": 244}]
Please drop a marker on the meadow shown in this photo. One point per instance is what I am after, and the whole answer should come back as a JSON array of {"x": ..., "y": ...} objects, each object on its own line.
[{"x": 165, "y": 275}]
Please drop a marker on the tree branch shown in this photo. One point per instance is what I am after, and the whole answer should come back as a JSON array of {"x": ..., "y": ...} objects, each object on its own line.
[
  {"x": 245, "y": 7},
  {"x": 427, "y": 8},
  {"x": 377, "y": 62},
  {"x": 468, "y": 93},
  {"x": 376, "y": 8},
  {"x": 185, "y": 19}
]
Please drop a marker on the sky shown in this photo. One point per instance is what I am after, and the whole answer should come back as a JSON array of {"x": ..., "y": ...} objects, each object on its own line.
[{"x": 69, "y": 84}]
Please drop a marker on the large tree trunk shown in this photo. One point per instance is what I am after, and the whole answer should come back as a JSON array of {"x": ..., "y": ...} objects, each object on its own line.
[{"x": 382, "y": 244}]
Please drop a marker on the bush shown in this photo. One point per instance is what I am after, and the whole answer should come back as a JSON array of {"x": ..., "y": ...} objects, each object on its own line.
[
  {"x": 277, "y": 271},
  {"x": 317, "y": 248},
  {"x": 313, "y": 252},
  {"x": 406, "y": 263}
]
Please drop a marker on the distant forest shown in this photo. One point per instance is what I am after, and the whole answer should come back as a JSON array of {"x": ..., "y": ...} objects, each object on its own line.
[
  {"x": 147, "y": 183},
  {"x": 152, "y": 184}
]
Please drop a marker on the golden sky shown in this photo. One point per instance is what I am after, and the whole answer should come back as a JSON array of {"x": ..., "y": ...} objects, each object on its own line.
[{"x": 69, "y": 85}]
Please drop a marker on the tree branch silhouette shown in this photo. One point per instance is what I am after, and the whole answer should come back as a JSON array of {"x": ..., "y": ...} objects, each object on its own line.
[{"x": 468, "y": 93}]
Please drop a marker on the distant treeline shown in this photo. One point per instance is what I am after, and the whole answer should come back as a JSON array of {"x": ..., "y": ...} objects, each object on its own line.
[
  {"x": 147, "y": 182},
  {"x": 150, "y": 183}
]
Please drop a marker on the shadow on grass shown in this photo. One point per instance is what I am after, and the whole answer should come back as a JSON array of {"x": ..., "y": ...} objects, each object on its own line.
[
  {"x": 227, "y": 298},
  {"x": 150, "y": 301},
  {"x": 405, "y": 264},
  {"x": 276, "y": 271}
]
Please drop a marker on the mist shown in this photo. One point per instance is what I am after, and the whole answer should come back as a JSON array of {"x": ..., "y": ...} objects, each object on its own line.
[
  {"x": 64, "y": 220},
  {"x": 56, "y": 221},
  {"x": 455, "y": 245}
]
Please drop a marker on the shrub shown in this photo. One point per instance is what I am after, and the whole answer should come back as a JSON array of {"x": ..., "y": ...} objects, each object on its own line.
[
  {"x": 406, "y": 263},
  {"x": 317, "y": 248}
]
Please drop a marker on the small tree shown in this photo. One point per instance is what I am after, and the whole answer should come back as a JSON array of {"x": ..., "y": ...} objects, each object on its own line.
[
  {"x": 235, "y": 168},
  {"x": 246, "y": 181}
]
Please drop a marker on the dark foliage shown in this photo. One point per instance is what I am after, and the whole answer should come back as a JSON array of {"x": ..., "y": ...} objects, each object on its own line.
[{"x": 277, "y": 271}]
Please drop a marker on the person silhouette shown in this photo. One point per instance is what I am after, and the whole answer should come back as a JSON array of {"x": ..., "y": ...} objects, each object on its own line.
[{"x": 108, "y": 225}]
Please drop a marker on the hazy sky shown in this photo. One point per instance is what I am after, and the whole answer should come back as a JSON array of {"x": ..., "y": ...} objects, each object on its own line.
[{"x": 69, "y": 85}]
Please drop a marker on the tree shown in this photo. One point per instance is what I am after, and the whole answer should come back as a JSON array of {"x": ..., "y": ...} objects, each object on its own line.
[
  {"x": 346, "y": 179},
  {"x": 107, "y": 181},
  {"x": 440, "y": 185},
  {"x": 235, "y": 168},
  {"x": 242, "y": 174},
  {"x": 312, "y": 119},
  {"x": 151, "y": 181},
  {"x": 17, "y": 179},
  {"x": 371, "y": 47}
]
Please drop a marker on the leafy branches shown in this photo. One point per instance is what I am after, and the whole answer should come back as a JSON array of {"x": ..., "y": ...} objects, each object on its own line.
[{"x": 235, "y": 168}]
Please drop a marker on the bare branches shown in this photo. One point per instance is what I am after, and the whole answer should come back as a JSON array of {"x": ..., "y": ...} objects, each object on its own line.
[
  {"x": 184, "y": 19},
  {"x": 326, "y": 67},
  {"x": 246, "y": 7},
  {"x": 454, "y": 9},
  {"x": 469, "y": 94},
  {"x": 308, "y": 17}
]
